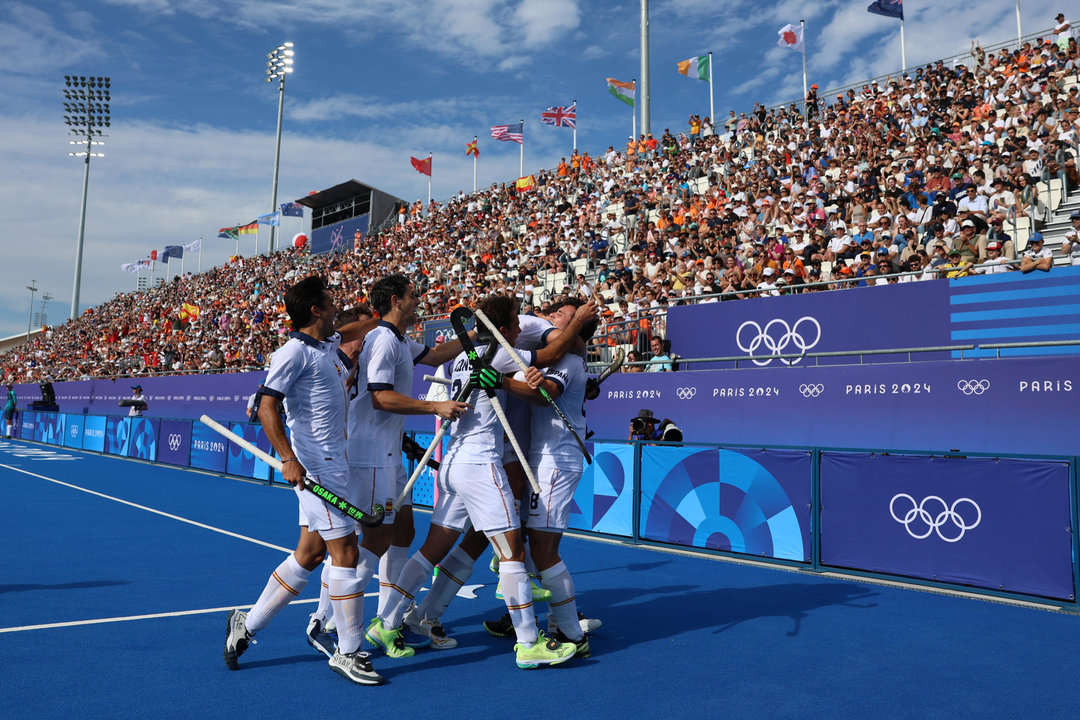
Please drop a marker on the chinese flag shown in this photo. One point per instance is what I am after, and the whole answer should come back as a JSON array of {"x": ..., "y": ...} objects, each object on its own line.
[{"x": 422, "y": 166}]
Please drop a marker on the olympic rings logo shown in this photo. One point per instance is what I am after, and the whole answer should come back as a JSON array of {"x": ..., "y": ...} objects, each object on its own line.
[
  {"x": 811, "y": 390},
  {"x": 174, "y": 442},
  {"x": 922, "y": 514},
  {"x": 685, "y": 393},
  {"x": 973, "y": 387},
  {"x": 775, "y": 337},
  {"x": 74, "y": 431}
]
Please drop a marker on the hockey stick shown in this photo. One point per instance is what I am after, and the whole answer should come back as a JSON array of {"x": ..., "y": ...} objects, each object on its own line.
[
  {"x": 413, "y": 449},
  {"x": 620, "y": 355},
  {"x": 370, "y": 519},
  {"x": 521, "y": 364},
  {"x": 462, "y": 395},
  {"x": 457, "y": 321},
  {"x": 441, "y": 381}
]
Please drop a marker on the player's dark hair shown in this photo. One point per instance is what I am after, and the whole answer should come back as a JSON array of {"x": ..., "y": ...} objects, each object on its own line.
[
  {"x": 352, "y": 314},
  {"x": 301, "y": 297},
  {"x": 386, "y": 288},
  {"x": 500, "y": 309},
  {"x": 589, "y": 328}
]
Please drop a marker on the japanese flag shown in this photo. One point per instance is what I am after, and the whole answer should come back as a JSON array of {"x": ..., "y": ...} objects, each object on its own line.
[{"x": 791, "y": 37}]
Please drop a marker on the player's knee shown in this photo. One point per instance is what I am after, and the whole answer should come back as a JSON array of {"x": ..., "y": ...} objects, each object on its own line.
[{"x": 309, "y": 558}]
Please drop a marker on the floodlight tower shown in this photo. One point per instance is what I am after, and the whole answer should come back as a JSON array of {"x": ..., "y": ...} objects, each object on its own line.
[
  {"x": 86, "y": 108},
  {"x": 279, "y": 63}
]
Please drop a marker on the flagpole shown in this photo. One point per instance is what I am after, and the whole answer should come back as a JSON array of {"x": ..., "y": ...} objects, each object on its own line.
[
  {"x": 474, "y": 157},
  {"x": 237, "y": 242},
  {"x": 181, "y": 266},
  {"x": 429, "y": 166},
  {"x": 633, "y": 113},
  {"x": 712, "y": 112},
  {"x": 573, "y": 104},
  {"x": 153, "y": 262},
  {"x": 199, "y": 270},
  {"x": 903, "y": 50},
  {"x": 804, "y": 88},
  {"x": 256, "y": 237},
  {"x": 522, "y": 172},
  {"x": 1019, "y": 34}
]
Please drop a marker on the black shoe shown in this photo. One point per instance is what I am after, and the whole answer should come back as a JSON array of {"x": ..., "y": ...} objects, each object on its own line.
[
  {"x": 582, "y": 645},
  {"x": 503, "y": 627}
]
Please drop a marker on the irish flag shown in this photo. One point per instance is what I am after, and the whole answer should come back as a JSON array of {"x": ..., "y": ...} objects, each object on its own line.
[
  {"x": 695, "y": 67},
  {"x": 622, "y": 90}
]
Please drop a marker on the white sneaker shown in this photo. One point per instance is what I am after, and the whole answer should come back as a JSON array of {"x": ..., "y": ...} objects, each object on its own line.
[
  {"x": 432, "y": 629},
  {"x": 356, "y": 667}
]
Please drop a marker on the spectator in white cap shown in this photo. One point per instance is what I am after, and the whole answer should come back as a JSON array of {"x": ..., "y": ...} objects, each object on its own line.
[
  {"x": 767, "y": 286},
  {"x": 996, "y": 262}
]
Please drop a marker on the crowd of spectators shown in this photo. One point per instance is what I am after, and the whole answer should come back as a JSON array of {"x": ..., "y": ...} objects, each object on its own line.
[{"x": 923, "y": 173}]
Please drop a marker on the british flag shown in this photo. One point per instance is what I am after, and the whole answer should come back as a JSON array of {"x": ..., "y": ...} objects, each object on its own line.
[
  {"x": 560, "y": 116},
  {"x": 509, "y": 133}
]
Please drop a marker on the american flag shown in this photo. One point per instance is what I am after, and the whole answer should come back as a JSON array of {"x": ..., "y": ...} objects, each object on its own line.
[
  {"x": 560, "y": 116},
  {"x": 509, "y": 133}
]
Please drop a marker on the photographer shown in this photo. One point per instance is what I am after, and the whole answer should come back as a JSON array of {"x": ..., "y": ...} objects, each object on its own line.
[
  {"x": 9, "y": 411},
  {"x": 137, "y": 402},
  {"x": 646, "y": 427}
]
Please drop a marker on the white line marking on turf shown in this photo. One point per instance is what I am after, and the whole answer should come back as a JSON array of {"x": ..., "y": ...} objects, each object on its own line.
[
  {"x": 150, "y": 509},
  {"x": 99, "y": 621}
]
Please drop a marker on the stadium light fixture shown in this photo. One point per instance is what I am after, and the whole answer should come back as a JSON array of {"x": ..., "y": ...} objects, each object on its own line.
[
  {"x": 279, "y": 63},
  {"x": 86, "y": 104}
]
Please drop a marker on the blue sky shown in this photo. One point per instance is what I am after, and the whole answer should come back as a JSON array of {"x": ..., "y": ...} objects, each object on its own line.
[{"x": 192, "y": 139}]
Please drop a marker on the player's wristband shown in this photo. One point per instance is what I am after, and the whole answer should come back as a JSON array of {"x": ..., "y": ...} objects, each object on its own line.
[{"x": 292, "y": 459}]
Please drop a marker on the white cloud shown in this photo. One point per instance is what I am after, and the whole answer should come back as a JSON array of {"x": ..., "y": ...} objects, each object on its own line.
[{"x": 545, "y": 21}]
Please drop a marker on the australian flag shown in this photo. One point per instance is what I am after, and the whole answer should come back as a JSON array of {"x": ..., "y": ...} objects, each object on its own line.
[
  {"x": 888, "y": 8},
  {"x": 292, "y": 209}
]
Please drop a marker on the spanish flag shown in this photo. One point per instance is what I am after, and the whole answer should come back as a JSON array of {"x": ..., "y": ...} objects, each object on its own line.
[
  {"x": 471, "y": 149},
  {"x": 525, "y": 184},
  {"x": 189, "y": 312}
]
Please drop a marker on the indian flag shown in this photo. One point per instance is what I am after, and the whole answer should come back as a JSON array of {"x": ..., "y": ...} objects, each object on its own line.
[
  {"x": 622, "y": 90},
  {"x": 695, "y": 67}
]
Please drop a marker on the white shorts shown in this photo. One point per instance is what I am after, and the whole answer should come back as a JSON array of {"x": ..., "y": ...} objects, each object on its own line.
[
  {"x": 319, "y": 516},
  {"x": 450, "y": 511},
  {"x": 550, "y": 510},
  {"x": 379, "y": 486},
  {"x": 485, "y": 493}
]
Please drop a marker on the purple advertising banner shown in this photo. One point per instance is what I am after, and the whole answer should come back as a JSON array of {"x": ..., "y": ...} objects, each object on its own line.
[
  {"x": 209, "y": 451},
  {"x": 988, "y": 522},
  {"x": 174, "y": 442},
  {"x": 242, "y": 462},
  {"x": 1017, "y": 405},
  {"x": 1006, "y": 307},
  {"x": 752, "y": 502}
]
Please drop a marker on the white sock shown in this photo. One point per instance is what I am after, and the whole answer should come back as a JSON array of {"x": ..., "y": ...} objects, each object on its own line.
[
  {"x": 518, "y": 598},
  {"x": 563, "y": 602},
  {"x": 366, "y": 565},
  {"x": 390, "y": 565},
  {"x": 285, "y": 583},
  {"x": 347, "y": 597},
  {"x": 417, "y": 569},
  {"x": 454, "y": 571},
  {"x": 324, "y": 610}
]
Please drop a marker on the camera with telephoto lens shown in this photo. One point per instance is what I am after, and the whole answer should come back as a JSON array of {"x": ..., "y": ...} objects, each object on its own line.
[{"x": 637, "y": 425}]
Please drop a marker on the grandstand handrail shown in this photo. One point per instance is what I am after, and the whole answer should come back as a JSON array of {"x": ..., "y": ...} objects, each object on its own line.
[
  {"x": 1030, "y": 343},
  {"x": 964, "y": 57},
  {"x": 832, "y": 353}
]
